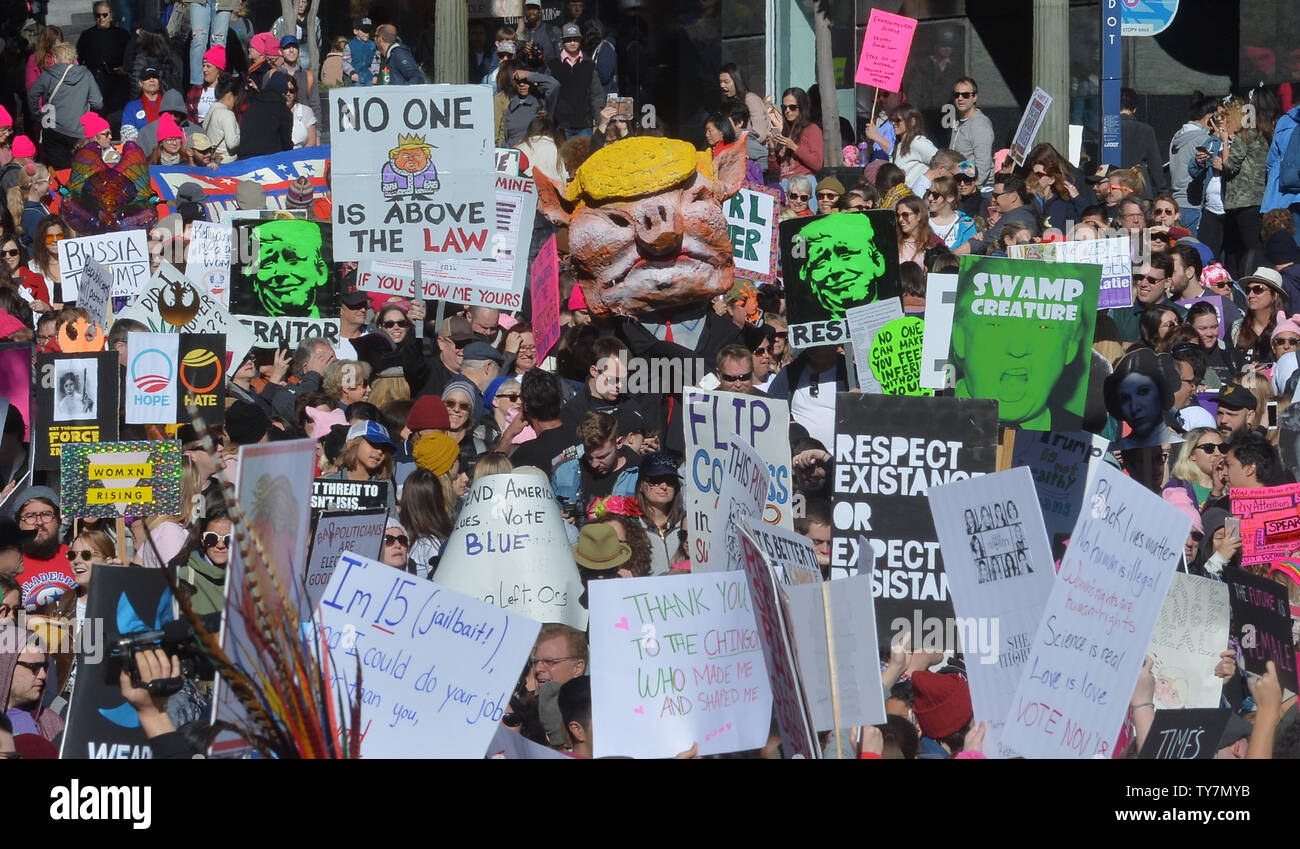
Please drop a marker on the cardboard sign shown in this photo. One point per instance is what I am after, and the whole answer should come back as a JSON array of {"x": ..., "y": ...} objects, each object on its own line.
[
  {"x": 710, "y": 418},
  {"x": 1035, "y": 112},
  {"x": 209, "y": 257},
  {"x": 751, "y": 224},
  {"x": 413, "y": 172},
  {"x": 791, "y": 555},
  {"x": 16, "y": 381},
  {"x": 885, "y": 46},
  {"x": 864, "y": 323},
  {"x": 895, "y": 357},
  {"x": 789, "y": 699},
  {"x": 744, "y": 488},
  {"x": 284, "y": 268},
  {"x": 1261, "y": 625},
  {"x": 833, "y": 262},
  {"x": 274, "y": 172},
  {"x": 74, "y": 401},
  {"x": 509, "y": 548},
  {"x": 544, "y": 290},
  {"x": 437, "y": 667},
  {"x": 125, "y": 253},
  {"x": 1270, "y": 522},
  {"x": 151, "y": 360},
  {"x": 101, "y": 725},
  {"x": 114, "y": 480},
  {"x": 349, "y": 495},
  {"x": 889, "y": 451},
  {"x": 680, "y": 663},
  {"x": 1190, "y": 633},
  {"x": 274, "y": 491},
  {"x": 940, "y": 299},
  {"x": 509, "y": 745},
  {"x": 361, "y": 533},
  {"x": 1059, "y": 465},
  {"x": 1000, "y": 572},
  {"x": 171, "y": 303},
  {"x": 1185, "y": 735},
  {"x": 1092, "y": 639},
  {"x": 289, "y": 332},
  {"x": 1113, "y": 255},
  {"x": 1022, "y": 336},
  {"x": 93, "y": 291}
]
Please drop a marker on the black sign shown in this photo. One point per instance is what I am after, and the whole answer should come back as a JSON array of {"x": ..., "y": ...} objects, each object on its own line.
[
  {"x": 1261, "y": 624},
  {"x": 284, "y": 267},
  {"x": 201, "y": 379},
  {"x": 101, "y": 724},
  {"x": 831, "y": 263},
  {"x": 1185, "y": 735},
  {"x": 889, "y": 450},
  {"x": 74, "y": 399},
  {"x": 329, "y": 494}
]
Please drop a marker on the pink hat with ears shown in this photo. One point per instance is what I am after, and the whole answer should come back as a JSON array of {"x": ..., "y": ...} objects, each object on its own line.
[
  {"x": 1285, "y": 324},
  {"x": 23, "y": 147},
  {"x": 168, "y": 128},
  {"x": 322, "y": 421},
  {"x": 92, "y": 125}
]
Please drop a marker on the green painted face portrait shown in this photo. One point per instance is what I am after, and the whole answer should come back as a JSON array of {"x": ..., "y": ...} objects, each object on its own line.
[
  {"x": 843, "y": 263},
  {"x": 1014, "y": 361},
  {"x": 290, "y": 268}
]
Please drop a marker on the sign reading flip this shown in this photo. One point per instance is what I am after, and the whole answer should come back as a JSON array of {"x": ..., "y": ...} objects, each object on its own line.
[{"x": 413, "y": 172}]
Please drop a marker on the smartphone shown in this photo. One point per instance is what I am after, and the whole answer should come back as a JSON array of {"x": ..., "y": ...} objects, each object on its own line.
[
  {"x": 1272, "y": 414},
  {"x": 625, "y": 108},
  {"x": 1232, "y": 526}
]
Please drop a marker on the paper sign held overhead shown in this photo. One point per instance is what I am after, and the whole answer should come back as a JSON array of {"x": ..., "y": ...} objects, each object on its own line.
[
  {"x": 125, "y": 254},
  {"x": 741, "y": 497},
  {"x": 544, "y": 283},
  {"x": 884, "y": 50},
  {"x": 1035, "y": 112},
  {"x": 1190, "y": 633}
]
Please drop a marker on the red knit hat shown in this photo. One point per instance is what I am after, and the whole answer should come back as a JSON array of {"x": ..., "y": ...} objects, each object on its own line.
[{"x": 941, "y": 703}]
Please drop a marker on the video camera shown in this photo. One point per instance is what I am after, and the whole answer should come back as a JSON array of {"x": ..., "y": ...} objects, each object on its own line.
[{"x": 175, "y": 638}]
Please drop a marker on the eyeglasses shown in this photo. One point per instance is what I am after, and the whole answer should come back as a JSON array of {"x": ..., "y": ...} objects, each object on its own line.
[
  {"x": 11, "y": 252},
  {"x": 512, "y": 397},
  {"x": 53, "y": 238},
  {"x": 400, "y": 539},
  {"x": 548, "y": 662},
  {"x": 1155, "y": 281},
  {"x": 735, "y": 378},
  {"x": 827, "y": 196},
  {"x": 764, "y": 349},
  {"x": 33, "y": 518},
  {"x": 36, "y": 667},
  {"x": 960, "y": 94},
  {"x": 789, "y": 107},
  {"x": 895, "y": 120},
  {"x": 459, "y": 405},
  {"x": 1210, "y": 448},
  {"x": 83, "y": 554},
  {"x": 1287, "y": 341},
  {"x": 1257, "y": 289},
  {"x": 796, "y": 196},
  {"x": 389, "y": 325},
  {"x": 102, "y": 15},
  {"x": 211, "y": 539}
]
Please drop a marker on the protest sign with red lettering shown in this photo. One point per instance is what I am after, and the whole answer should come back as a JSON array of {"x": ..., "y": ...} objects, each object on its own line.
[{"x": 1270, "y": 522}]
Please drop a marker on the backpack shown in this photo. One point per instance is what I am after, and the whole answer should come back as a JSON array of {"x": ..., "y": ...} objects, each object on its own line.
[{"x": 1289, "y": 172}]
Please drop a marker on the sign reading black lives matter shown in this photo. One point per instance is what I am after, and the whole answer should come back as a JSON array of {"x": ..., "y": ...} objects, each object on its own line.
[
  {"x": 889, "y": 450},
  {"x": 348, "y": 495},
  {"x": 414, "y": 172},
  {"x": 74, "y": 400},
  {"x": 831, "y": 263},
  {"x": 284, "y": 285}
]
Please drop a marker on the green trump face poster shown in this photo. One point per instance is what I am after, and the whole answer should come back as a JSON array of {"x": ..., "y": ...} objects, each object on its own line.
[{"x": 1021, "y": 336}]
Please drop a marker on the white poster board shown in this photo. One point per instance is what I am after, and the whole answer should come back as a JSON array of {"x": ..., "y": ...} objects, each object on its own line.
[
  {"x": 1191, "y": 631},
  {"x": 940, "y": 302},
  {"x": 171, "y": 303},
  {"x": 792, "y": 555},
  {"x": 864, "y": 322},
  {"x": 360, "y": 532},
  {"x": 208, "y": 258},
  {"x": 125, "y": 253},
  {"x": 150, "y": 385},
  {"x": 742, "y": 496},
  {"x": 93, "y": 291}
]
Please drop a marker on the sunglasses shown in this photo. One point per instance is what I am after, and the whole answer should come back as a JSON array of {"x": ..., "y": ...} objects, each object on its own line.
[
  {"x": 736, "y": 378},
  {"x": 794, "y": 196},
  {"x": 35, "y": 667},
  {"x": 389, "y": 325},
  {"x": 53, "y": 238},
  {"x": 459, "y": 405},
  {"x": 782, "y": 335},
  {"x": 11, "y": 252},
  {"x": 395, "y": 540},
  {"x": 460, "y": 346},
  {"x": 1288, "y": 341},
  {"x": 102, "y": 15},
  {"x": 212, "y": 539},
  {"x": 827, "y": 196},
  {"x": 1257, "y": 289},
  {"x": 962, "y": 178},
  {"x": 960, "y": 94},
  {"x": 1209, "y": 448},
  {"x": 83, "y": 554},
  {"x": 790, "y": 108},
  {"x": 512, "y": 397},
  {"x": 1155, "y": 281}
]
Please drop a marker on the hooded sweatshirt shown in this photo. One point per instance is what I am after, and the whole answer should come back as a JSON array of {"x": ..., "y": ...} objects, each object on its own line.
[
  {"x": 78, "y": 94},
  {"x": 174, "y": 102},
  {"x": 1182, "y": 149},
  {"x": 46, "y": 722}
]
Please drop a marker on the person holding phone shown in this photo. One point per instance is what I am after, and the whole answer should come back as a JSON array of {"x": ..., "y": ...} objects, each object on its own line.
[
  {"x": 1220, "y": 547},
  {"x": 795, "y": 144}
]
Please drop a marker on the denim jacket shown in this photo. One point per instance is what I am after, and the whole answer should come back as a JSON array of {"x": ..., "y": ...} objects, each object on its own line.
[{"x": 1202, "y": 174}]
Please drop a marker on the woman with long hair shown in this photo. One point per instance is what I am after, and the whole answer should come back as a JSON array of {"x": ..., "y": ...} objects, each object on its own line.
[
  {"x": 1155, "y": 326},
  {"x": 951, "y": 225},
  {"x": 911, "y": 150},
  {"x": 633, "y": 534},
  {"x": 304, "y": 133},
  {"x": 427, "y": 516},
  {"x": 1197, "y": 474},
  {"x": 796, "y": 148},
  {"x": 90, "y": 548},
  {"x": 781, "y": 353},
  {"x": 43, "y": 56},
  {"x": 1124, "y": 183},
  {"x": 1245, "y": 172},
  {"x": 659, "y": 493},
  {"x": 206, "y": 568},
  {"x": 1224, "y": 359},
  {"x": 1265, "y": 299},
  {"x": 1050, "y": 181},
  {"x": 368, "y": 456},
  {"x": 541, "y": 147},
  {"x": 719, "y": 134},
  {"x": 153, "y": 51},
  {"x": 45, "y": 255},
  {"x": 914, "y": 234},
  {"x": 27, "y": 201},
  {"x": 734, "y": 90},
  {"x": 171, "y": 144}
]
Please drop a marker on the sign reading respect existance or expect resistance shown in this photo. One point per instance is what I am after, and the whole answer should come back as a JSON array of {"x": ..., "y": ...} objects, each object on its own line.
[{"x": 414, "y": 172}]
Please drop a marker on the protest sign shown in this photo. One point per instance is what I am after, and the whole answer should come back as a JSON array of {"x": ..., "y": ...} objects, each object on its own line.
[
  {"x": 151, "y": 377},
  {"x": 745, "y": 480},
  {"x": 328, "y": 494},
  {"x": 885, "y": 46},
  {"x": 834, "y": 626},
  {"x": 101, "y": 725},
  {"x": 680, "y": 663},
  {"x": 171, "y": 303},
  {"x": 1185, "y": 735},
  {"x": 1114, "y": 255},
  {"x": 1059, "y": 465},
  {"x": 895, "y": 357},
  {"x": 1035, "y": 112},
  {"x": 1000, "y": 572},
  {"x": 889, "y": 450},
  {"x": 507, "y": 160},
  {"x": 710, "y": 418},
  {"x": 74, "y": 401},
  {"x": 1270, "y": 522},
  {"x": 1190, "y": 633},
  {"x": 940, "y": 298},
  {"x": 544, "y": 290},
  {"x": 863, "y": 323},
  {"x": 93, "y": 291},
  {"x": 496, "y": 280},
  {"x": 1022, "y": 336},
  {"x": 125, "y": 253},
  {"x": 209, "y": 257},
  {"x": 1261, "y": 625},
  {"x": 289, "y": 332},
  {"x": 274, "y": 493},
  {"x": 360, "y": 532},
  {"x": 509, "y": 745},
  {"x": 751, "y": 225},
  {"x": 833, "y": 262},
  {"x": 114, "y": 480},
  {"x": 437, "y": 667},
  {"x": 793, "y": 715},
  {"x": 509, "y": 548},
  {"x": 413, "y": 171},
  {"x": 791, "y": 555},
  {"x": 16, "y": 381},
  {"x": 274, "y": 173},
  {"x": 283, "y": 268},
  {"x": 1091, "y": 642},
  {"x": 201, "y": 377}
]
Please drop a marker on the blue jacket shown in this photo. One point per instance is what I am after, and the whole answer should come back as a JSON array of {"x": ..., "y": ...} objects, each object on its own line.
[
  {"x": 1204, "y": 173},
  {"x": 566, "y": 480},
  {"x": 401, "y": 66},
  {"x": 1273, "y": 196}
]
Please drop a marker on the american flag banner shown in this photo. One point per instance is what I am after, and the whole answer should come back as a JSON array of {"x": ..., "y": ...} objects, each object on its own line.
[{"x": 274, "y": 173}]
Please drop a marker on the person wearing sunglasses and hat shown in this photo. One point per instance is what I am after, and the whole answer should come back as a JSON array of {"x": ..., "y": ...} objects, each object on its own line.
[
  {"x": 600, "y": 555},
  {"x": 1265, "y": 298},
  {"x": 368, "y": 456},
  {"x": 206, "y": 569}
]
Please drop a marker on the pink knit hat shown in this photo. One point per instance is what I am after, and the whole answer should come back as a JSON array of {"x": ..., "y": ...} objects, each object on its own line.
[
  {"x": 1215, "y": 274},
  {"x": 266, "y": 44},
  {"x": 216, "y": 56},
  {"x": 1285, "y": 325},
  {"x": 92, "y": 125},
  {"x": 6, "y": 120},
  {"x": 576, "y": 300},
  {"x": 322, "y": 421},
  {"x": 23, "y": 148},
  {"x": 167, "y": 128}
]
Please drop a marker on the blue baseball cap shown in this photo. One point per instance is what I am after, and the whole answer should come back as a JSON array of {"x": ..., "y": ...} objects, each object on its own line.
[
  {"x": 372, "y": 432},
  {"x": 289, "y": 40}
]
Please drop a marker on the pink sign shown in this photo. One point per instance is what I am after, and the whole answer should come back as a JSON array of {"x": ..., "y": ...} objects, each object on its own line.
[
  {"x": 884, "y": 50},
  {"x": 544, "y": 289}
]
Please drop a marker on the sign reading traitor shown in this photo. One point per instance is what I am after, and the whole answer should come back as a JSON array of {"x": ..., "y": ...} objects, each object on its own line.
[
  {"x": 1022, "y": 336},
  {"x": 413, "y": 172}
]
